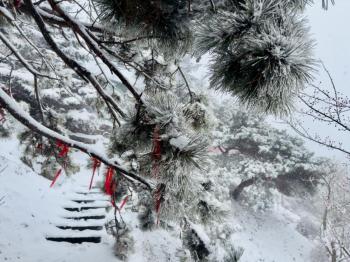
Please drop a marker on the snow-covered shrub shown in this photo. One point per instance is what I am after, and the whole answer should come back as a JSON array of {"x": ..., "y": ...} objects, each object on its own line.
[
  {"x": 263, "y": 158},
  {"x": 5, "y": 129},
  {"x": 42, "y": 155},
  {"x": 308, "y": 228},
  {"x": 195, "y": 244},
  {"x": 146, "y": 210},
  {"x": 234, "y": 254}
]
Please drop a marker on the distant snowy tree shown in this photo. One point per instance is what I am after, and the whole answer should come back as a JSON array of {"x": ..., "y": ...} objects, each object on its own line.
[
  {"x": 335, "y": 231},
  {"x": 261, "y": 154},
  {"x": 329, "y": 108}
]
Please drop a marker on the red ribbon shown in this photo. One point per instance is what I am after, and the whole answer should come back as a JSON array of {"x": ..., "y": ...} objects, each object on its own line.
[
  {"x": 97, "y": 164},
  {"x": 114, "y": 187},
  {"x": 156, "y": 144},
  {"x": 123, "y": 203},
  {"x": 156, "y": 151},
  {"x": 109, "y": 181},
  {"x": 64, "y": 148},
  {"x": 158, "y": 199},
  {"x": 58, "y": 173},
  {"x": 17, "y": 3},
  {"x": 63, "y": 153}
]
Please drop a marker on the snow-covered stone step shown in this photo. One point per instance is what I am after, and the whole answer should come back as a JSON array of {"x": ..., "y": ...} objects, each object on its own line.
[
  {"x": 85, "y": 189},
  {"x": 75, "y": 240},
  {"x": 89, "y": 193},
  {"x": 81, "y": 228},
  {"x": 91, "y": 196},
  {"x": 82, "y": 195},
  {"x": 56, "y": 232},
  {"x": 79, "y": 209},
  {"x": 90, "y": 212},
  {"x": 87, "y": 201},
  {"x": 97, "y": 203},
  {"x": 79, "y": 223},
  {"x": 85, "y": 217}
]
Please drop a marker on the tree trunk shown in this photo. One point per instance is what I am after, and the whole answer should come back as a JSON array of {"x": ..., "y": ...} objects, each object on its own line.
[{"x": 246, "y": 183}]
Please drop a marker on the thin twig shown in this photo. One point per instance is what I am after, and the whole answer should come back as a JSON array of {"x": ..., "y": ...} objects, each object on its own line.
[{"x": 186, "y": 82}]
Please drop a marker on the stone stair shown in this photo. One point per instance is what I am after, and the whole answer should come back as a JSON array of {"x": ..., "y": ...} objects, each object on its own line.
[{"x": 83, "y": 218}]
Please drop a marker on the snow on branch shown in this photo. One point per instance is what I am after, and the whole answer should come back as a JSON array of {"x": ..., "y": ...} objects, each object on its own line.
[
  {"x": 83, "y": 72},
  {"x": 18, "y": 113},
  {"x": 53, "y": 19},
  {"x": 21, "y": 58},
  {"x": 81, "y": 30}
]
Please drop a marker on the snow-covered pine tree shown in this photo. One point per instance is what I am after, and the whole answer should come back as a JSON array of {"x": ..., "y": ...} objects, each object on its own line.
[
  {"x": 263, "y": 156},
  {"x": 260, "y": 50}
]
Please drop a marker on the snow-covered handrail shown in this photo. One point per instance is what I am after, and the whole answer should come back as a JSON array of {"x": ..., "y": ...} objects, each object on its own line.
[{"x": 18, "y": 113}]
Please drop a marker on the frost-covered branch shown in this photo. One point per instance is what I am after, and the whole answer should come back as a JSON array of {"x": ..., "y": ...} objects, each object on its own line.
[
  {"x": 53, "y": 19},
  {"x": 18, "y": 113},
  {"x": 23, "y": 61},
  {"x": 83, "y": 72},
  {"x": 81, "y": 30},
  {"x": 186, "y": 82},
  {"x": 327, "y": 106}
]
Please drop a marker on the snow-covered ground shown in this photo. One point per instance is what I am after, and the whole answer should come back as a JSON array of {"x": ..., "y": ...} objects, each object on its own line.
[
  {"x": 31, "y": 209},
  {"x": 270, "y": 238}
]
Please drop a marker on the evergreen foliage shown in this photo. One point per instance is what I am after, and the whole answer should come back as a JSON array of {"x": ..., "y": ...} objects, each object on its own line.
[
  {"x": 160, "y": 123},
  {"x": 166, "y": 21},
  {"x": 40, "y": 152},
  {"x": 4, "y": 131},
  {"x": 265, "y": 158},
  {"x": 261, "y": 52}
]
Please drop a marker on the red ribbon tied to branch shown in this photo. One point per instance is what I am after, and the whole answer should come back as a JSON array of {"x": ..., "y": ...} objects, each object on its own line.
[
  {"x": 114, "y": 188},
  {"x": 123, "y": 203},
  {"x": 109, "y": 181},
  {"x": 96, "y": 164},
  {"x": 64, "y": 149},
  {"x": 159, "y": 197},
  {"x": 58, "y": 173},
  {"x": 17, "y": 3},
  {"x": 156, "y": 151}
]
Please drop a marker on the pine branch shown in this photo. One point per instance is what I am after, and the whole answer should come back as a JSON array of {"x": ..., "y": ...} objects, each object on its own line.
[
  {"x": 186, "y": 82},
  {"x": 53, "y": 19},
  {"x": 83, "y": 72},
  {"x": 23, "y": 61},
  {"x": 18, "y": 113},
  {"x": 81, "y": 30}
]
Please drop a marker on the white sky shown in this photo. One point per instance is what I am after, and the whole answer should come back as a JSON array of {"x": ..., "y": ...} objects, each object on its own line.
[{"x": 331, "y": 30}]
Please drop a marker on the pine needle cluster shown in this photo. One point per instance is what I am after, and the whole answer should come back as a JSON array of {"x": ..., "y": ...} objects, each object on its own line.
[
  {"x": 165, "y": 21},
  {"x": 261, "y": 52},
  {"x": 160, "y": 123}
]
